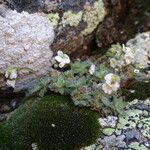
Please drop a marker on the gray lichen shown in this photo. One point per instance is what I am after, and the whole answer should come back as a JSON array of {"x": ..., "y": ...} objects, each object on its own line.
[{"x": 131, "y": 131}]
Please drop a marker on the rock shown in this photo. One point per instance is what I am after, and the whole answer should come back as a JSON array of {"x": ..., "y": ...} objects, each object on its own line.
[
  {"x": 26, "y": 5},
  {"x": 113, "y": 142},
  {"x": 131, "y": 131},
  {"x": 74, "y": 20},
  {"x": 24, "y": 42},
  {"x": 141, "y": 43},
  {"x": 137, "y": 146},
  {"x": 76, "y": 25},
  {"x": 123, "y": 20},
  {"x": 77, "y": 21},
  {"x": 110, "y": 121},
  {"x": 73, "y": 26},
  {"x": 132, "y": 134}
]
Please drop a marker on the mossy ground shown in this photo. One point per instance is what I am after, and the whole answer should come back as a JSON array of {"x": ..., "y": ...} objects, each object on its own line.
[{"x": 53, "y": 123}]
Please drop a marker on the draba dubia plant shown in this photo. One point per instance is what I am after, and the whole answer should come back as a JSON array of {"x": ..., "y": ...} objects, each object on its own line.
[
  {"x": 95, "y": 84},
  {"x": 11, "y": 75}
]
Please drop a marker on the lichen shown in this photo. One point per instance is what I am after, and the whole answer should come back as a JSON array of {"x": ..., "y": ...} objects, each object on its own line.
[
  {"x": 137, "y": 146},
  {"x": 54, "y": 18},
  {"x": 133, "y": 126},
  {"x": 72, "y": 19},
  {"x": 93, "y": 15},
  {"x": 108, "y": 131},
  {"x": 135, "y": 118}
]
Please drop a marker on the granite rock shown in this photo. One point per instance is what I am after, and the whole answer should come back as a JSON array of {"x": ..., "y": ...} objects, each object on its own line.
[{"x": 24, "y": 42}]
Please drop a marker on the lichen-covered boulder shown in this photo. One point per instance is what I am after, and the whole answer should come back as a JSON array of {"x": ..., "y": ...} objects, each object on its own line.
[
  {"x": 24, "y": 41},
  {"x": 77, "y": 23},
  {"x": 141, "y": 43},
  {"x": 123, "y": 20},
  {"x": 50, "y": 123},
  {"x": 131, "y": 130},
  {"x": 74, "y": 20}
]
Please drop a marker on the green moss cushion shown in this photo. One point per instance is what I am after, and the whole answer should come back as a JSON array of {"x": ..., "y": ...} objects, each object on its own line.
[
  {"x": 52, "y": 123},
  {"x": 4, "y": 138}
]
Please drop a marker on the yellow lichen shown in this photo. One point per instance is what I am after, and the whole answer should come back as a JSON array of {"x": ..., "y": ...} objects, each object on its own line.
[
  {"x": 93, "y": 15},
  {"x": 54, "y": 18},
  {"x": 72, "y": 19}
]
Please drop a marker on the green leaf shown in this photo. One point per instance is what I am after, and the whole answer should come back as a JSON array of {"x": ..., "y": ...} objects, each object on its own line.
[
  {"x": 119, "y": 105},
  {"x": 80, "y": 67},
  {"x": 42, "y": 92},
  {"x": 106, "y": 101}
]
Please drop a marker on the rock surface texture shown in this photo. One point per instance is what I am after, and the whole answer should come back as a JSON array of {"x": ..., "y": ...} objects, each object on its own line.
[
  {"x": 123, "y": 20},
  {"x": 131, "y": 130},
  {"x": 141, "y": 43},
  {"x": 25, "y": 40},
  {"x": 75, "y": 21}
]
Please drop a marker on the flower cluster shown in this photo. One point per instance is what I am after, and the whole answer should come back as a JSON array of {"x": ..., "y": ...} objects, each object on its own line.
[
  {"x": 128, "y": 54},
  {"x": 62, "y": 59},
  {"x": 121, "y": 57},
  {"x": 92, "y": 69},
  {"x": 93, "y": 83},
  {"x": 122, "y": 60},
  {"x": 112, "y": 83},
  {"x": 11, "y": 76}
]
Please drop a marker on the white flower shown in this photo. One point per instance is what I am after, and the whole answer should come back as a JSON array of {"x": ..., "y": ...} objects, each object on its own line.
[
  {"x": 34, "y": 146},
  {"x": 92, "y": 69},
  {"x": 123, "y": 48},
  {"x": 113, "y": 62},
  {"x": 112, "y": 83},
  {"x": 53, "y": 125},
  {"x": 11, "y": 83},
  {"x": 126, "y": 49},
  {"x": 62, "y": 59},
  {"x": 61, "y": 65},
  {"x": 107, "y": 88},
  {"x": 11, "y": 73},
  {"x": 136, "y": 71},
  {"x": 112, "y": 78},
  {"x": 132, "y": 91},
  {"x": 129, "y": 54}
]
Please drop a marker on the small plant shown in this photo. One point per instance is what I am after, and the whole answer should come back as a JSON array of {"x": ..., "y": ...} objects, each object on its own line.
[
  {"x": 94, "y": 84},
  {"x": 12, "y": 74}
]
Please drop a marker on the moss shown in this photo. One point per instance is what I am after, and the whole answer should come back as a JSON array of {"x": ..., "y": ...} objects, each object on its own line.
[
  {"x": 52, "y": 123},
  {"x": 5, "y": 140}
]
